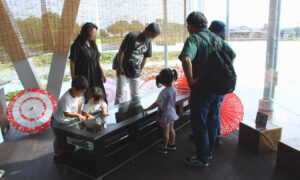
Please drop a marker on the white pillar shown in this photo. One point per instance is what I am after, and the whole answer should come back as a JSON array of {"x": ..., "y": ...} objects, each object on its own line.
[
  {"x": 275, "y": 76},
  {"x": 56, "y": 73},
  {"x": 165, "y": 9},
  {"x": 62, "y": 45},
  {"x": 166, "y": 55},
  {"x": 27, "y": 74},
  {"x": 266, "y": 104},
  {"x": 228, "y": 20}
]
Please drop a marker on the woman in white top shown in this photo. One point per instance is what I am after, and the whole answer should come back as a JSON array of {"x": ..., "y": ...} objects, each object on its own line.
[{"x": 166, "y": 108}]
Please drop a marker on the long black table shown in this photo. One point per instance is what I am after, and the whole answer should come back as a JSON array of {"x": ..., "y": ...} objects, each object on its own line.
[{"x": 97, "y": 147}]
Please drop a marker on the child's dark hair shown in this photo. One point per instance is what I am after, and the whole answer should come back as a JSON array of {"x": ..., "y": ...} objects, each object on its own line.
[
  {"x": 80, "y": 83},
  {"x": 95, "y": 92},
  {"x": 166, "y": 77}
]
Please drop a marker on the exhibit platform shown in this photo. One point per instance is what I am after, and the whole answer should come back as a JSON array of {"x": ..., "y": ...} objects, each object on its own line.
[{"x": 30, "y": 156}]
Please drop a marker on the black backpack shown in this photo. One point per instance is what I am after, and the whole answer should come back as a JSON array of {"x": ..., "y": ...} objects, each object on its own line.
[{"x": 219, "y": 76}]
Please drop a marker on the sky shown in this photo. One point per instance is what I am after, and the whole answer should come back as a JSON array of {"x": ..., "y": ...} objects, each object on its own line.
[{"x": 251, "y": 13}]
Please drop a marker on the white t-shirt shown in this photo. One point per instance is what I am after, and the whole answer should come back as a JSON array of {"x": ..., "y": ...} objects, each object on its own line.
[
  {"x": 91, "y": 108},
  {"x": 166, "y": 105},
  {"x": 66, "y": 104}
]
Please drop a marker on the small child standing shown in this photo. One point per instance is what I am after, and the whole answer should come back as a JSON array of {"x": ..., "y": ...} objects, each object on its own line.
[
  {"x": 68, "y": 107},
  {"x": 94, "y": 101},
  {"x": 166, "y": 109}
]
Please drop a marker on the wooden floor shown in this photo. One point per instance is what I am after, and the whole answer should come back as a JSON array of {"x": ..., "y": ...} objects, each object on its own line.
[{"x": 29, "y": 157}]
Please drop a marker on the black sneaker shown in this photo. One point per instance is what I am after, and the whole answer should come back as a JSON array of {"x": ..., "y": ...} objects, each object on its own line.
[
  {"x": 193, "y": 161},
  {"x": 219, "y": 141},
  {"x": 171, "y": 147},
  {"x": 195, "y": 151},
  {"x": 57, "y": 159},
  {"x": 161, "y": 149}
]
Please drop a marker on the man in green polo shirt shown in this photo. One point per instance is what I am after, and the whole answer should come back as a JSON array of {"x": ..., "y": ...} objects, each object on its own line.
[{"x": 204, "y": 104}]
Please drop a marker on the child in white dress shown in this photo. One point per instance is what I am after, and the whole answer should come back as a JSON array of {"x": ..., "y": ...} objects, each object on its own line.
[
  {"x": 94, "y": 102},
  {"x": 166, "y": 108}
]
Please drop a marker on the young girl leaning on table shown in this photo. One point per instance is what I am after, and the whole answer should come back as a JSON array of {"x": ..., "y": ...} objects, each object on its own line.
[
  {"x": 166, "y": 109},
  {"x": 94, "y": 102}
]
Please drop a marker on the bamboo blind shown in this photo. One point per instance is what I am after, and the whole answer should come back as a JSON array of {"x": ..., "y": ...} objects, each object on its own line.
[{"x": 33, "y": 27}]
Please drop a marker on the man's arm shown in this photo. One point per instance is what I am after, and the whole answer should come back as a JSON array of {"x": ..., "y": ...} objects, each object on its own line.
[
  {"x": 146, "y": 55},
  {"x": 188, "y": 69},
  {"x": 120, "y": 70},
  {"x": 186, "y": 56},
  {"x": 121, "y": 53},
  {"x": 143, "y": 63}
]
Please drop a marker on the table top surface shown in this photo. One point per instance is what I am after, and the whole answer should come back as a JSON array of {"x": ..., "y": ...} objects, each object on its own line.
[
  {"x": 252, "y": 124},
  {"x": 120, "y": 115}
]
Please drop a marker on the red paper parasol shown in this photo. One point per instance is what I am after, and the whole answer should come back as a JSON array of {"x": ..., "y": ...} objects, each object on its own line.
[
  {"x": 110, "y": 89},
  {"x": 148, "y": 86},
  {"x": 31, "y": 110},
  {"x": 181, "y": 81},
  {"x": 232, "y": 112}
]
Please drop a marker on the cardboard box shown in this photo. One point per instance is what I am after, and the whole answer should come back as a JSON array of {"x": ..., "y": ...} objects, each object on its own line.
[{"x": 260, "y": 140}]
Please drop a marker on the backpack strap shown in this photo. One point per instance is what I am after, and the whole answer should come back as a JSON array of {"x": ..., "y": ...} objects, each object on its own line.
[{"x": 215, "y": 44}]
